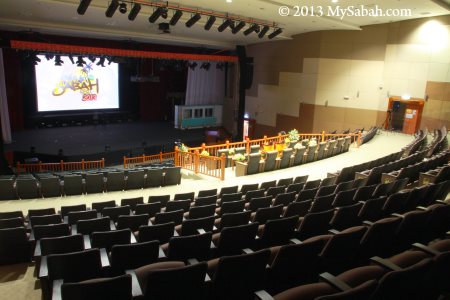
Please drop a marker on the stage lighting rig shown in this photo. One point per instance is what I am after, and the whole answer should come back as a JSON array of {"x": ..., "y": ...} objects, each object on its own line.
[
  {"x": 193, "y": 20},
  {"x": 82, "y": 7},
  {"x": 238, "y": 27},
  {"x": 134, "y": 11},
  {"x": 101, "y": 62},
  {"x": 275, "y": 33},
  {"x": 113, "y": 5},
  {"x": 253, "y": 28},
  {"x": 33, "y": 58},
  {"x": 176, "y": 17},
  {"x": 219, "y": 66},
  {"x": 210, "y": 22},
  {"x": 205, "y": 66},
  {"x": 80, "y": 62},
  {"x": 71, "y": 59},
  {"x": 49, "y": 56},
  {"x": 192, "y": 65},
  {"x": 159, "y": 12},
  {"x": 123, "y": 8},
  {"x": 92, "y": 58},
  {"x": 263, "y": 31},
  {"x": 224, "y": 25},
  {"x": 58, "y": 60}
]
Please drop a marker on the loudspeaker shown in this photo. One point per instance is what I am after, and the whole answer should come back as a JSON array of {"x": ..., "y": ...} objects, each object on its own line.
[
  {"x": 246, "y": 67},
  {"x": 248, "y": 74}
]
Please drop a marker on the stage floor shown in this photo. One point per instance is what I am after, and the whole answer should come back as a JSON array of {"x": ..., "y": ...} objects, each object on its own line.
[{"x": 90, "y": 140}]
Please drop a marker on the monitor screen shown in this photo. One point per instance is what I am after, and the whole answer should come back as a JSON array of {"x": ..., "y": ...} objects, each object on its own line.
[{"x": 70, "y": 87}]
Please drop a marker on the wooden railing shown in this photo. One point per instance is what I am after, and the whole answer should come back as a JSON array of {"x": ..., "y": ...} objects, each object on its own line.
[
  {"x": 320, "y": 137},
  {"x": 129, "y": 162},
  {"x": 61, "y": 166},
  {"x": 208, "y": 165}
]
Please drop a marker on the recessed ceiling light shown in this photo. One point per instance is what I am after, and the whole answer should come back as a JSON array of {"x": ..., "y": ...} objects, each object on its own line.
[
  {"x": 229, "y": 1},
  {"x": 334, "y": 1}
]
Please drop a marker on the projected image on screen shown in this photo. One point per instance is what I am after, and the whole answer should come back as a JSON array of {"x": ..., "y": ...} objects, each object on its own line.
[{"x": 69, "y": 87}]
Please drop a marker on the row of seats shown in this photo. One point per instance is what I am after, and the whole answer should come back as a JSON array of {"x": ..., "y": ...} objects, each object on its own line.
[
  {"x": 439, "y": 142},
  {"x": 57, "y": 185},
  {"x": 367, "y": 136}
]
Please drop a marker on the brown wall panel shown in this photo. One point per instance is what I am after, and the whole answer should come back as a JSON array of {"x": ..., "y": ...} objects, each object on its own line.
[{"x": 435, "y": 90}]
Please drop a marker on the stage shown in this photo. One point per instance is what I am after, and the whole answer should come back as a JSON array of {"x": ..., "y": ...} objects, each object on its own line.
[{"x": 109, "y": 141}]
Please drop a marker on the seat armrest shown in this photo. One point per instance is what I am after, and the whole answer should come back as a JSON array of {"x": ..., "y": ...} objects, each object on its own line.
[
  {"x": 368, "y": 223},
  {"x": 441, "y": 202},
  {"x": 201, "y": 231},
  {"x": 421, "y": 208},
  {"x": 104, "y": 258},
  {"x": 263, "y": 295},
  {"x": 73, "y": 229},
  {"x": 334, "y": 281},
  {"x": 385, "y": 263},
  {"x": 136, "y": 290},
  {"x": 66, "y": 219},
  {"x": 37, "y": 249},
  {"x": 333, "y": 231},
  {"x": 43, "y": 268},
  {"x": 425, "y": 249},
  {"x": 112, "y": 225},
  {"x": 247, "y": 250},
  {"x": 192, "y": 261},
  {"x": 397, "y": 215},
  {"x": 56, "y": 289},
  {"x": 87, "y": 242},
  {"x": 362, "y": 202},
  {"x": 295, "y": 241}
]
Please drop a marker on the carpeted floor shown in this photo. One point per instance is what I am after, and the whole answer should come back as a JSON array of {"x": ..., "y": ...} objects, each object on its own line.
[{"x": 17, "y": 282}]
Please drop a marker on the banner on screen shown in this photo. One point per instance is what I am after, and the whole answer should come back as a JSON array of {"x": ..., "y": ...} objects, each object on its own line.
[{"x": 69, "y": 87}]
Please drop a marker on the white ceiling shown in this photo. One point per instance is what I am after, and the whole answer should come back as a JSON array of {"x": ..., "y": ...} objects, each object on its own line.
[{"x": 61, "y": 17}]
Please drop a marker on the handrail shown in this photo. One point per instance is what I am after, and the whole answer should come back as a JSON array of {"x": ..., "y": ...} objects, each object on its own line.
[
  {"x": 208, "y": 165},
  {"x": 156, "y": 158},
  {"x": 61, "y": 166}
]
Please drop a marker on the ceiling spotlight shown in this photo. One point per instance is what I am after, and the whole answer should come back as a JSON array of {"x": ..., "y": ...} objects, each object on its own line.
[
  {"x": 224, "y": 25},
  {"x": 193, "y": 20},
  {"x": 35, "y": 59},
  {"x": 253, "y": 28},
  {"x": 134, "y": 11},
  {"x": 92, "y": 58},
  {"x": 192, "y": 65},
  {"x": 58, "y": 60},
  {"x": 210, "y": 22},
  {"x": 205, "y": 66},
  {"x": 110, "y": 59},
  {"x": 123, "y": 8},
  {"x": 101, "y": 62},
  {"x": 176, "y": 17},
  {"x": 238, "y": 27},
  {"x": 159, "y": 12},
  {"x": 82, "y": 7},
  {"x": 263, "y": 31},
  {"x": 275, "y": 33},
  {"x": 71, "y": 59},
  {"x": 113, "y": 5},
  {"x": 49, "y": 56},
  {"x": 219, "y": 66},
  {"x": 80, "y": 61}
]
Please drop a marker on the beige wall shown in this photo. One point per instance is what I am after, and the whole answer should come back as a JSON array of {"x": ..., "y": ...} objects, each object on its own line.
[{"x": 342, "y": 79}]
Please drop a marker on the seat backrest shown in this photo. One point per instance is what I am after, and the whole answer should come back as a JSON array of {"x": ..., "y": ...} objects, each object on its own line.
[
  {"x": 132, "y": 202},
  {"x": 232, "y": 207},
  {"x": 204, "y": 211},
  {"x": 52, "y": 230},
  {"x": 149, "y": 209},
  {"x": 99, "y": 206},
  {"x": 184, "y": 196},
  {"x": 11, "y": 214},
  {"x": 372, "y": 209},
  {"x": 278, "y": 232},
  {"x": 67, "y": 209},
  {"x": 190, "y": 226},
  {"x": 245, "y": 273},
  {"x": 115, "y": 181},
  {"x": 73, "y": 184},
  {"x": 94, "y": 183},
  {"x": 161, "y": 232},
  {"x": 163, "y": 199},
  {"x": 268, "y": 213},
  {"x": 115, "y": 212},
  {"x": 344, "y": 186},
  {"x": 46, "y": 220},
  {"x": 346, "y": 216},
  {"x": 253, "y": 163},
  {"x": 231, "y": 197},
  {"x": 325, "y": 190},
  {"x": 50, "y": 186},
  {"x": 299, "y": 209},
  {"x": 207, "y": 193},
  {"x": 132, "y": 256},
  {"x": 233, "y": 239},
  {"x": 178, "y": 204},
  {"x": 344, "y": 245},
  {"x": 286, "y": 158},
  {"x": 379, "y": 237},
  {"x": 132, "y": 222},
  {"x": 274, "y": 191},
  {"x": 107, "y": 239},
  {"x": 327, "y": 181},
  {"x": 360, "y": 292},
  {"x": 135, "y": 179},
  {"x": 301, "y": 179},
  {"x": 190, "y": 283},
  {"x": 75, "y": 266},
  {"x": 364, "y": 193},
  {"x": 190, "y": 246},
  {"x": 312, "y": 184},
  {"x": 91, "y": 225},
  {"x": 228, "y": 190},
  {"x": 27, "y": 188},
  {"x": 294, "y": 187},
  {"x": 248, "y": 187},
  {"x": 41, "y": 212},
  {"x": 344, "y": 198},
  {"x": 62, "y": 244},
  {"x": 206, "y": 200},
  {"x": 235, "y": 219},
  {"x": 74, "y": 216},
  {"x": 322, "y": 203},
  {"x": 8, "y": 192},
  {"x": 11, "y": 223},
  {"x": 396, "y": 203},
  {"x": 260, "y": 202},
  {"x": 14, "y": 246},
  {"x": 270, "y": 161},
  {"x": 155, "y": 177},
  {"x": 306, "y": 194},
  {"x": 172, "y": 175},
  {"x": 315, "y": 224},
  {"x": 284, "y": 198},
  {"x": 175, "y": 216},
  {"x": 118, "y": 288}
]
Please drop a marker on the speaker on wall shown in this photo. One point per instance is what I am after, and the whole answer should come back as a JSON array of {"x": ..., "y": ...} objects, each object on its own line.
[{"x": 246, "y": 66}]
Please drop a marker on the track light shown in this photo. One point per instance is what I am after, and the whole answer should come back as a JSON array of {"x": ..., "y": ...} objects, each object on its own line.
[
  {"x": 275, "y": 33},
  {"x": 219, "y": 66},
  {"x": 58, "y": 60},
  {"x": 238, "y": 27},
  {"x": 92, "y": 58},
  {"x": 123, "y": 8},
  {"x": 193, "y": 20},
  {"x": 210, "y": 22},
  {"x": 113, "y": 5},
  {"x": 33, "y": 58},
  {"x": 159, "y": 12},
  {"x": 71, "y": 59},
  {"x": 134, "y": 11},
  {"x": 253, "y": 28},
  {"x": 82, "y": 7},
  {"x": 80, "y": 61},
  {"x": 176, "y": 16},
  {"x": 101, "y": 62},
  {"x": 49, "y": 56},
  {"x": 224, "y": 25},
  {"x": 263, "y": 31},
  {"x": 192, "y": 65},
  {"x": 205, "y": 66}
]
